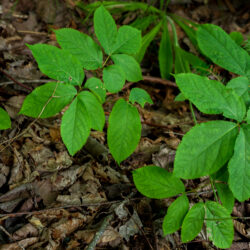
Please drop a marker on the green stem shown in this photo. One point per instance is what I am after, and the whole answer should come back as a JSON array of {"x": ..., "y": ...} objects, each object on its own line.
[
  {"x": 105, "y": 61},
  {"x": 192, "y": 112},
  {"x": 174, "y": 31},
  {"x": 212, "y": 185}
]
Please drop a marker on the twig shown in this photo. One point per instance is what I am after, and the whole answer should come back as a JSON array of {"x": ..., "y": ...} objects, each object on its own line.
[
  {"x": 159, "y": 80},
  {"x": 28, "y": 81},
  {"x": 15, "y": 81}
]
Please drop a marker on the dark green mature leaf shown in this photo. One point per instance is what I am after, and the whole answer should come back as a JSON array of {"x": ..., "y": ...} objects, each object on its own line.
[
  {"x": 129, "y": 65},
  {"x": 221, "y": 175},
  {"x": 113, "y": 78},
  {"x": 97, "y": 87},
  {"x": 105, "y": 29},
  {"x": 239, "y": 165},
  {"x": 81, "y": 46},
  {"x": 193, "y": 222},
  {"x": 124, "y": 130},
  {"x": 157, "y": 183},
  {"x": 205, "y": 149},
  {"x": 175, "y": 215},
  {"x": 165, "y": 54},
  {"x": 94, "y": 110},
  {"x": 226, "y": 196},
  {"x": 5, "y": 121},
  {"x": 140, "y": 96},
  {"x": 142, "y": 23},
  {"x": 200, "y": 91},
  {"x": 216, "y": 44},
  {"x": 146, "y": 40},
  {"x": 181, "y": 64},
  {"x": 219, "y": 225},
  {"x": 48, "y": 99},
  {"x": 75, "y": 126},
  {"x": 128, "y": 40},
  {"x": 58, "y": 64}
]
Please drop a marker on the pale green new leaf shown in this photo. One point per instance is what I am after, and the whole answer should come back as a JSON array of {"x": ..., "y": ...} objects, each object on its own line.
[
  {"x": 205, "y": 149},
  {"x": 58, "y": 64},
  {"x": 97, "y": 87},
  {"x": 193, "y": 222},
  {"x": 226, "y": 196},
  {"x": 219, "y": 225},
  {"x": 129, "y": 65},
  {"x": 94, "y": 110},
  {"x": 105, "y": 29},
  {"x": 239, "y": 165},
  {"x": 81, "y": 46},
  {"x": 5, "y": 121},
  {"x": 165, "y": 54},
  {"x": 200, "y": 91},
  {"x": 113, "y": 78},
  {"x": 216, "y": 44},
  {"x": 157, "y": 183},
  {"x": 48, "y": 99},
  {"x": 146, "y": 40},
  {"x": 128, "y": 40},
  {"x": 175, "y": 215},
  {"x": 124, "y": 130},
  {"x": 140, "y": 96},
  {"x": 75, "y": 126}
]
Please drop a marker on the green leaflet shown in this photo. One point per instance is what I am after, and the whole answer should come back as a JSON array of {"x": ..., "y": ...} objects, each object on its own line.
[
  {"x": 58, "y": 64},
  {"x": 239, "y": 165},
  {"x": 97, "y": 87},
  {"x": 226, "y": 196},
  {"x": 5, "y": 119},
  {"x": 124, "y": 130},
  {"x": 181, "y": 64},
  {"x": 157, "y": 183},
  {"x": 165, "y": 54},
  {"x": 140, "y": 96},
  {"x": 48, "y": 99},
  {"x": 81, "y": 46},
  {"x": 105, "y": 29},
  {"x": 175, "y": 215},
  {"x": 216, "y": 44},
  {"x": 219, "y": 225},
  {"x": 75, "y": 126},
  {"x": 205, "y": 149},
  {"x": 129, "y": 65},
  {"x": 142, "y": 23},
  {"x": 146, "y": 40},
  {"x": 193, "y": 222},
  {"x": 237, "y": 37},
  {"x": 248, "y": 116},
  {"x": 128, "y": 40},
  {"x": 200, "y": 91},
  {"x": 113, "y": 78}
]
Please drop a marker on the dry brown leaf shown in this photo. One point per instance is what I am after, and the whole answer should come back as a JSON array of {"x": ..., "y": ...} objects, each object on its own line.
[
  {"x": 26, "y": 231},
  {"x": 20, "y": 245}
]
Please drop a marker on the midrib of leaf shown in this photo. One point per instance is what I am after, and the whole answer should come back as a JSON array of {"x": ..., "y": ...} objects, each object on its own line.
[{"x": 124, "y": 42}]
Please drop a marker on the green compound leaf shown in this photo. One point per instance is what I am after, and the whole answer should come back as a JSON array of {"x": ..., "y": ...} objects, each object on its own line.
[
  {"x": 97, "y": 87},
  {"x": 129, "y": 65},
  {"x": 75, "y": 126},
  {"x": 226, "y": 196},
  {"x": 140, "y": 96},
  {"x": 239, "y": 165},
  {"x": 94, "y": 110},
  {"x": 48, "y": 99},
  {"x": 193, "y": 222},
  {"x": 157, "y": 183},
  {"x": 5, "y": 119},
  {"x": 128, "y": 40},
  {"x": 124, "y": 131},
  {"x": 165, "y": 54},
  {"x": 216, "y": 44},
  {"x": 81, "y": 46},
  {"x": 175, "y": 215},
  {"x": 146, "y": 40},
  {"x": 200, "y": 91},
  {"x": 58, "y": 64},
  {"x": 105, "y": 29},
  {"x": 113, "y": 78},
  {"x": 205, "y": 149},
  {"x": 219, "y": 225}
]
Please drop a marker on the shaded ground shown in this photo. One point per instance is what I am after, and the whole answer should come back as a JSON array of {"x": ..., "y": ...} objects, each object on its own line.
[{"x": 50, "y": 200}]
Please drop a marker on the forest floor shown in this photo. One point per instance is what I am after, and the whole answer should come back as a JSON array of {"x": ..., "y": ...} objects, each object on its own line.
[{"x": 50, "y": 200}]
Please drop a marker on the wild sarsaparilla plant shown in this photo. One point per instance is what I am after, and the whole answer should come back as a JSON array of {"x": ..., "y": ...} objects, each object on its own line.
[
  {"x": 219, "y": 149},
  {"x": 85, "y": 112}
]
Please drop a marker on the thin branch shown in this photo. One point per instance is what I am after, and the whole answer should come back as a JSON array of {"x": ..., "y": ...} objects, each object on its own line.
[{"x": 160, "y": 81}]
